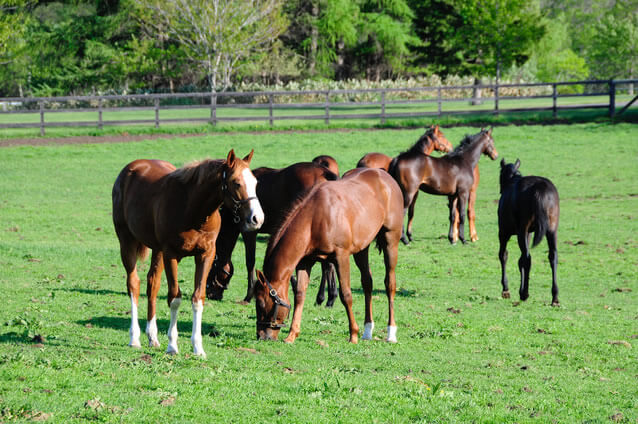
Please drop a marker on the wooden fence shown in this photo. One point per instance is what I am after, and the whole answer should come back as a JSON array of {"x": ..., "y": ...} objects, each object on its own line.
[{"x": 379, "y": 104}]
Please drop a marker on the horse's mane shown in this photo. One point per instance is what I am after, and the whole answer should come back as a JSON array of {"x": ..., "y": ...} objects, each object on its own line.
[
  {"x": 197, "y": 172},
  {"x": 288, "y": 216},
  {"x": 417, "y": 147},
  {"x": 467, "y": 141}
]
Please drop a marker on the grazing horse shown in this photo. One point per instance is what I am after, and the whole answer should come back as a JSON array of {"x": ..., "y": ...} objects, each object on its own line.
[
  {"x": 174, "y": 212},
  {"x": 277, "y": 190},
  {"x": 527, "y": 204},
  {"x": 450, "y": 175},
  {"x": 433, "y": 139},
  {"x": 335, "y": 220},
  {"x": 327, "y": 161}
]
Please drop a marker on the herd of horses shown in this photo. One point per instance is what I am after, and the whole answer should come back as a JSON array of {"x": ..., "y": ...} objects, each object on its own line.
[{"x": 312, "y": 214}]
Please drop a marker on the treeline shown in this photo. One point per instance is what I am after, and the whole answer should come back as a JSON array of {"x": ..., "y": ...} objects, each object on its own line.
[{"x": 126, "y": 46}]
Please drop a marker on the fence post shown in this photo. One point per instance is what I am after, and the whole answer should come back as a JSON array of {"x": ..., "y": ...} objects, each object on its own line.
[
  {"x": 157, "y": 104},
  {"x": 99, "y": 114},
  {"x": 554, "y": 100},
  {"x": 383, "y": 107},
  {"x": 213, "y": 109},
  {"x": 612, "y": 98},
  {"x": 270, "y": 109},
  {"x": 327, "y": 118},
  {"x": 438, "y": 99},
  {"x": 496, "y": 98},
  {"x": 41, "y": 103}
]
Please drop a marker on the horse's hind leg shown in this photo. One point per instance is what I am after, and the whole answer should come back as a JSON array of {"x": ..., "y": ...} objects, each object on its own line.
[
  {"x": 553, "y": 262},
  {"x": 390, "y": 257},
  {"x": 502, "y": 256},
  {"x": 361, "y": 260},
  {"x": 453, "y": 233},
  {"x": 153, "y": 282},
  {"x": 345, "y": 293},
  {"x": 471, "y": 214},
  {"x": 327, "y": 280},
  {"x": 129, "y": 250},
  {"x": 524, "y": 264},
  {"x": 250, "y": 244}
]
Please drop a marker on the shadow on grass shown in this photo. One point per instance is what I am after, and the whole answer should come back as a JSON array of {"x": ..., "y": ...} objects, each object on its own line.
[{"x": 183, "y": 326}]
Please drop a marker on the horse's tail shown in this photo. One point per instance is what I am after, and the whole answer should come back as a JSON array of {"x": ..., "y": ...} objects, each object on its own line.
[{"x": 541, "y": 218}]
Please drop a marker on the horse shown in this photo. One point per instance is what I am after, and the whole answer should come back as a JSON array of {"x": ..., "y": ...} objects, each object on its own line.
[
  {"x": 527, "y": 204},
  {"x": 335, "y": 220},
  {"x": 327, "y": 161},
  {"x": 277, "y": 190},
  {"x": 433, "y": 139},
  {"x": 174, "y": 212},
  {"x": 450, "y": 175}
]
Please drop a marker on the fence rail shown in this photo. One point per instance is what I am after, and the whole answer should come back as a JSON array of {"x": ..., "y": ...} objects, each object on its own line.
[{"x": 326, "y": 105}]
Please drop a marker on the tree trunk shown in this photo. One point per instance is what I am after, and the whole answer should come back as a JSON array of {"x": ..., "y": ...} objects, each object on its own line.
[{"x": 476, "y": 93}]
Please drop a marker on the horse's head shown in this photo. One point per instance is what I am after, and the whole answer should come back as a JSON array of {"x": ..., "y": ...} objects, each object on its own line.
[
  {"x": 240, "y": 192},
  {"x": 488, "y": 144},
  {"x": 218, "y": 279},
  {"x": 273, "y": 308},
  {"x": 509, "y": 171},
  {"x": 441, "y": 144}
]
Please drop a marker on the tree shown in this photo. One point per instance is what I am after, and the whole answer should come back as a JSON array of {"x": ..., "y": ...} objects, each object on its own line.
[
  {"x": 614, "y": 49},
  {"x": 217, "y": 33}
]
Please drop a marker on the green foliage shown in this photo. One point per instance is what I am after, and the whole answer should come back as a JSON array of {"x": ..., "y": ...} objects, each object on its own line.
[
  {"x": 464, "y": 354},
  {"x": 614, "y": 50}
]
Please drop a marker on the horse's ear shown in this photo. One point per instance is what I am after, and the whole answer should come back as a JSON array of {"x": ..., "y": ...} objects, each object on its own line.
[
  {"x": 502, "y": 163},
  {"x": 489, "y": 132},
  {"x": 249, "y": 157},
  {"x": 230, "y": 160},
  {"x": 517, "y": 164},
  {"x": 261, "y": 277}
]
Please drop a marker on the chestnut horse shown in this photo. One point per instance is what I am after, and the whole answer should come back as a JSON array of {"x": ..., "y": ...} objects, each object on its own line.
[
  {"x": 174, "y": 212},
  {"x": 433, "y": 139},
  {"x": 527, "y": 204},
  {"x": 327, "y": 161},
  {"x": 451, "y": 175},
  {"x": 335, "y": 220},
  {"x": 277, "y": 190}
]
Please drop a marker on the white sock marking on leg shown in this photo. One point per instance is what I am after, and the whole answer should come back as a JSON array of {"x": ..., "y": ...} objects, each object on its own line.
[
  {"x": 151, "y": 332},
  {"x": 367, "y": 331},
  {"x": 172, "y": 327},
  {"x": 392, "y": 334},
  {"x": 134, "y": 331},
  {"x": 196, "y": 337}
]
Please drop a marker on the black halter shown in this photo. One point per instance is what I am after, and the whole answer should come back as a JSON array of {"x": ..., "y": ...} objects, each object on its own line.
[
  {"x": 278, "y": 302},
  {"x": 237, "y": 204}
]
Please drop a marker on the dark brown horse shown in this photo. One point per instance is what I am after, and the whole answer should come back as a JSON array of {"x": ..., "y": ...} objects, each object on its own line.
[
  {"x": 451, "y": 175},
  {"x": 335, "y": 220},
  {"x": 174, "y": 212},
  {"x": 277, "y": 190},
  {"x": 527, "y": 205},
  {"x": 433, "y": 139}
]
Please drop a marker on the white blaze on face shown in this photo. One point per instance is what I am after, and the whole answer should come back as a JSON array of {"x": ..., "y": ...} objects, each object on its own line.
[{"x": 256, "y": 217}]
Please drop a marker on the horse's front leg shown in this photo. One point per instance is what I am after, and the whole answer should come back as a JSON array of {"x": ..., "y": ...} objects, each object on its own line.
[
  {"x": 471, "y": 214},
  {"x": 202, "y": 268},
  {"x": 462, "y": 206},
  {"x": 153, "y": 282},
  {"x": 362, "y": 262},
  {"x": 502, "y": 256},
  {"x": 411, "y": 215},
  {"x": 390, "y": 258},
  {"x": 303, "y": 277},
  {"x": 408, "y": 195},
  {"x": 250, "y": 244},
  {"x": 174, "y": 299},
  {"x": 345, "y": 293}
]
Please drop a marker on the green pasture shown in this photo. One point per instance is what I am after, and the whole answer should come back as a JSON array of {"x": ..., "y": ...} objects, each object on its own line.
[{"x": 464, "y": 354}]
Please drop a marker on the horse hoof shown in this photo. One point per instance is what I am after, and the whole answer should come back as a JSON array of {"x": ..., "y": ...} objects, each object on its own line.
[
  {"x": 153, "y": 343},
  {"x": 244, "y": 302},
  {"x": 135, "y": 345},
  {"x": 405, "y": 240},
  {"x": 289, "y": 340},
  {"x": 171, "y": 351},
  {"x": 505, "y": 295},
  {"x": 556, "y": 303}
]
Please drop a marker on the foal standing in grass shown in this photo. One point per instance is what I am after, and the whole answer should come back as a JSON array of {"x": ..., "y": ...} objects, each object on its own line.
[
  {"x": 175, "y": 212},
  {"x": 527, "y": 205}
]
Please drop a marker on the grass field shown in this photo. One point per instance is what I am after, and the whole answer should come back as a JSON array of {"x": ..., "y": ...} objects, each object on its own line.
[{"x": 464, "y": 354}]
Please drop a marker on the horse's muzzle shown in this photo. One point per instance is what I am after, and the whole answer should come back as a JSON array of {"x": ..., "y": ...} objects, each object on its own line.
[{"x": 267, "y": 334}]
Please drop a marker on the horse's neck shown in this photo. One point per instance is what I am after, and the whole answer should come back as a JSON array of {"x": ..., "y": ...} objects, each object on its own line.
[
  {"x": 424, "y": 145},
  {"x": 289, "y": 249},
  {"x": 206, "y": 197},
  {"x": 474, "y": 151}
]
